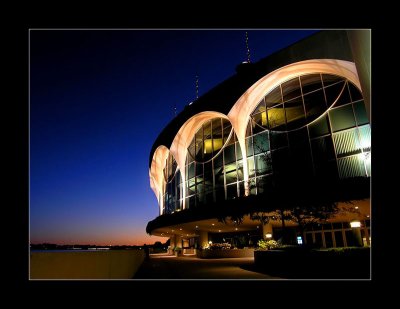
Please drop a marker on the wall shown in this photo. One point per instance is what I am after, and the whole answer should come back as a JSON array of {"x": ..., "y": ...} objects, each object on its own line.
[
  {"x": 114, "y": 264},
  {"x": 229, "y": 253}
]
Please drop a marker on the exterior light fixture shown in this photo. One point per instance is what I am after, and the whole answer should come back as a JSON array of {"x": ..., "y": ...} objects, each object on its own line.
[
  {"x": 367, "y": 216},
  {"x": 210, "y": 242},
  {"x": 356, "y": 207},
  {"x": 258, "y": 226},
  {"x": 219, "y": 230},
  {"x": 355, "y": 224},
  {"x": 268, "y": 235},
  {"x": 197, "y": 226},
  {"x": 213, "y": 224},
  {"x": 236, "y": 228},
  {"x": 180, "y": 229}
]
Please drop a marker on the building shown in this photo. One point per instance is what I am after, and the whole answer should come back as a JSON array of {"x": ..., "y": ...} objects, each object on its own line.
[{"x": 300, "y": 115}]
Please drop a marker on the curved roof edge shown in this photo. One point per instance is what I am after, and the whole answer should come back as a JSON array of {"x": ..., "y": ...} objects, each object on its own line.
[{"x": 327, "y": 44}]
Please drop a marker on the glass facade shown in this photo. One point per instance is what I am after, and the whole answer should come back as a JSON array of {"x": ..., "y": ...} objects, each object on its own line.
[{"x": 311, "y": 125}]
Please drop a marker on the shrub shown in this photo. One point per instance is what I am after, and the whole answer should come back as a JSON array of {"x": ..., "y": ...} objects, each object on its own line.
[{"x": 267, "y": 245}]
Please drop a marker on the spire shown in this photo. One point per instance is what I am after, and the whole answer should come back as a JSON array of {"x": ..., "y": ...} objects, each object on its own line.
[{"x": 247, "y": 48}]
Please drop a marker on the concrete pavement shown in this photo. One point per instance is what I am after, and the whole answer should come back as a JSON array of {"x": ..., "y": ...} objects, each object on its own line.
[{"x": 162, "y": 266}]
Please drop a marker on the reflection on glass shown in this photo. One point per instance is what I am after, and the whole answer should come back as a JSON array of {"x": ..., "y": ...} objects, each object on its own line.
[
  {"x": 361, "y": 113},
  {"x": 315, "y": 105},
  {"x": 276, "y": 118},
  {"x": 291, "y": 89},
  {"x": 274, "y": 97},
  {"x": 294, "y": 111},
  {"x": 319, "y": 127},
  {"x": 342, "y": 118},
  {"x": 310, "y": 82}
]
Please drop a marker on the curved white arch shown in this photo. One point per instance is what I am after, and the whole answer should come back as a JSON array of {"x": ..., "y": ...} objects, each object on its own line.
[
  {"x": 239, "y": 116},
  {"x": 185, "y": 135},
  {"x": 241, "y": 110},
  {"x": 157, "y": 181}
]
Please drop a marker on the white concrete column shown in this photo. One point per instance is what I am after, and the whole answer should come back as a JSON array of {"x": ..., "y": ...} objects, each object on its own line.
[
  {"x": 360, "y": 43},
  {"x": 203, "y": 239},
  {"x": 267, "y": 229}
]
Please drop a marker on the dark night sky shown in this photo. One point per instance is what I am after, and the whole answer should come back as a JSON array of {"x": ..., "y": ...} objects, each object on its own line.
[{"x": 98, "y": 100}]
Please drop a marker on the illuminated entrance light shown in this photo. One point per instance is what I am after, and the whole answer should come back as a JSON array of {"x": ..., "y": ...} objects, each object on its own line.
[
  {"x": 268, "y": 235},
  {"x": 355, "y": 224}
]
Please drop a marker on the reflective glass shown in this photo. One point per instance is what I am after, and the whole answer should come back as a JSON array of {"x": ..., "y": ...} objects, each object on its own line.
[
  {"x": 342, "y": 118},
  {"x": 310, "y": 82},
  {"x": 291, "y": 89},
  {"x": 319, "y": 127},
  {"x": 274, "y": 97},
  {"x": 294, "y": 111},
  {"x": 315, "y": 105}
]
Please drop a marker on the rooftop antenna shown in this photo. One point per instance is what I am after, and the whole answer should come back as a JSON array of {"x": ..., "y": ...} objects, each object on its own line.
[
  {"x": 197, "y": 86},
  {"x": 247, "y": 48}
]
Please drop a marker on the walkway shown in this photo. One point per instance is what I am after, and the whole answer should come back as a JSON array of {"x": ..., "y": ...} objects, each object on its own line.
[{"x": 162, "y": 266}]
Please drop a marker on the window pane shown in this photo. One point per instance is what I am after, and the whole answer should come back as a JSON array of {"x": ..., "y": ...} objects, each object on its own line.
[
  {"x": 319, "y": 127},
  {"x": 261, "y": 143},
  {"x": 346, "y": 142},
  {"x": 339, "y": 239},
  {"x": 342, "y": 118},
  {"x": 344, "y": 97},
  {"x": 260, "y": 108},
  {"x": 278, "y": 140},
  {"x": 294, "y": 111},
  {"x": 310, "y": 82},
  {"x": 276, "y": 118},
  {"x": 231, "y": 191},
  {"x": 315, "y": 105},
  {"x": 238, "y": 151},
  {"x": 199, "y": 169},
  {"x": 361, "y": 113},
  {"x": 330, "y": 79},
  {"x": 191, "y": 170},
  {"x": 229, "y": 154},
  {"x": 217, "y": 135},
  {"x": 219, "y": 177},
  {"x": 322, "y": 149},
  {"x": 291, "y": 89},
  {"x": 231, "y": 174},
  {"x": 249, "y": 145},
  {"x": 274, "y": 97},
  {"x": 354, "y": 92},
  {"x": 263, "y": 164},
  {"x": 240, "y": 170},
  {"x": 328, "y": 239},
  {"x": 333, "y": 92},
  {"x": 250, "y": 163},
  {"x": 351, "y": 167},
  {"x": 199, "y": 145}
]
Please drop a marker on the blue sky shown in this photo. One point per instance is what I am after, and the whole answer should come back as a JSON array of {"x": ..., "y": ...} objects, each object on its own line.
[{"x": 98, "y": 100}]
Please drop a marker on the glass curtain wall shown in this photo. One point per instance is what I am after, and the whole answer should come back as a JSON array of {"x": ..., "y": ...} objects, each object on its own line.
[{"x": 311, "y": 125}]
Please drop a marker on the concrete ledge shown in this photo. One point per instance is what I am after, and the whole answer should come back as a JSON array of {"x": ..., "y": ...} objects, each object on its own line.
[
  {"x": 113, "y": 264},
  {"x": 229, "y": 253}
]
